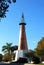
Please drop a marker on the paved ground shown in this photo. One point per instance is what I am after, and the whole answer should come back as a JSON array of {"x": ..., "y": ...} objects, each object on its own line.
[
  {"x": 15, "y": 64},
  {"x": 30, "y": 64}
]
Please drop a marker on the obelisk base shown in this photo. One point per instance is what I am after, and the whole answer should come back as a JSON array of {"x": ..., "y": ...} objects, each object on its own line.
[{"x": 20, "y": 54}]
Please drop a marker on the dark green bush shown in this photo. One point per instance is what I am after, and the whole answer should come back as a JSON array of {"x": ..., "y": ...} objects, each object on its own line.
[
  {"x": 1, "y": 57},
  {"x": 36, "y": 59},
  {"x": 22, "y": 60}
]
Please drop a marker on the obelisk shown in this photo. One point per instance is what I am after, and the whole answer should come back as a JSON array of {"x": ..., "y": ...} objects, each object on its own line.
[
  {"x": 22, "y": 47},
  {"x": 22, "y": 36}
]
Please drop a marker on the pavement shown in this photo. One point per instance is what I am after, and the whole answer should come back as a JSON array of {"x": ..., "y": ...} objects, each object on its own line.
[{"x": 12, "y": 63}]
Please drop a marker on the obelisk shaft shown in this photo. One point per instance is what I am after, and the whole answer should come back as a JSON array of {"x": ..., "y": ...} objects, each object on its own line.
[{"x": 22, "y": 38}]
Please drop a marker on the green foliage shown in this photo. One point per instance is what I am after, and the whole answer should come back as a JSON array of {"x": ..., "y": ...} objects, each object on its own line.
[
  {"x": 22, "y": 60},
  {"x": 9, "y": 48},
  {"x": 32, "y": 57},
  {"x": 1, "y": 56},
  {"x": 8, "y": 57},
  {"x": 14, "y": 48},
  {"x": 8, "y": 52},
  {"x": 30, "y": 54},
  {"x": 10, "y": 1},
  {"x": 40, "y": 49},
  {"x": 4, "y": 7},
  {"x": 36, "y": 59}
]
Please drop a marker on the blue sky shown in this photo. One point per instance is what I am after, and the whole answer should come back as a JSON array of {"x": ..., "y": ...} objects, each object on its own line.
[{"x": 34, "y": 17}]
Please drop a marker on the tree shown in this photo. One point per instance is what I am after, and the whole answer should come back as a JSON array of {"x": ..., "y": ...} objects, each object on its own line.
[
  {"x": 40, "y": 49},
  {"x": 14, "y": 48},
  {"x": 8, "y": 57},
  {"x": 8, "y": 50},
  {"x": 32, "y": 56},
  {"x": 4, "y": 4},
  {"x": 1, "y": 56}
]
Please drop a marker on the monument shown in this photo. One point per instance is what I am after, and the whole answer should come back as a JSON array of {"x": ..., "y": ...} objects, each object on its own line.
[{"x": 22, "y": 47}]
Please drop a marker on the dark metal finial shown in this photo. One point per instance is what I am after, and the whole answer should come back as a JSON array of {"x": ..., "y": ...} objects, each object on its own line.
[
  {"x": 22, "y": 20},
  {"x": 22, "y": 15}
]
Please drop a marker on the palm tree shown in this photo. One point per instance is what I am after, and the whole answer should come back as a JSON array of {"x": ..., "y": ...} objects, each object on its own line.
[{"x": 9, "y": 49}]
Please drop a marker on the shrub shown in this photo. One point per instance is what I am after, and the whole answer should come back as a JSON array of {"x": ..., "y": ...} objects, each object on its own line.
[
  {"x": 22, "y": 60},
  {"x": 1, "y": 57},
  {"x": 36, "y": 59}
]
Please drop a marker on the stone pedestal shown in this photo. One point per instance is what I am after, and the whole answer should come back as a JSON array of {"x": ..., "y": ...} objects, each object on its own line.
[{"x": 20, "y": 54}]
